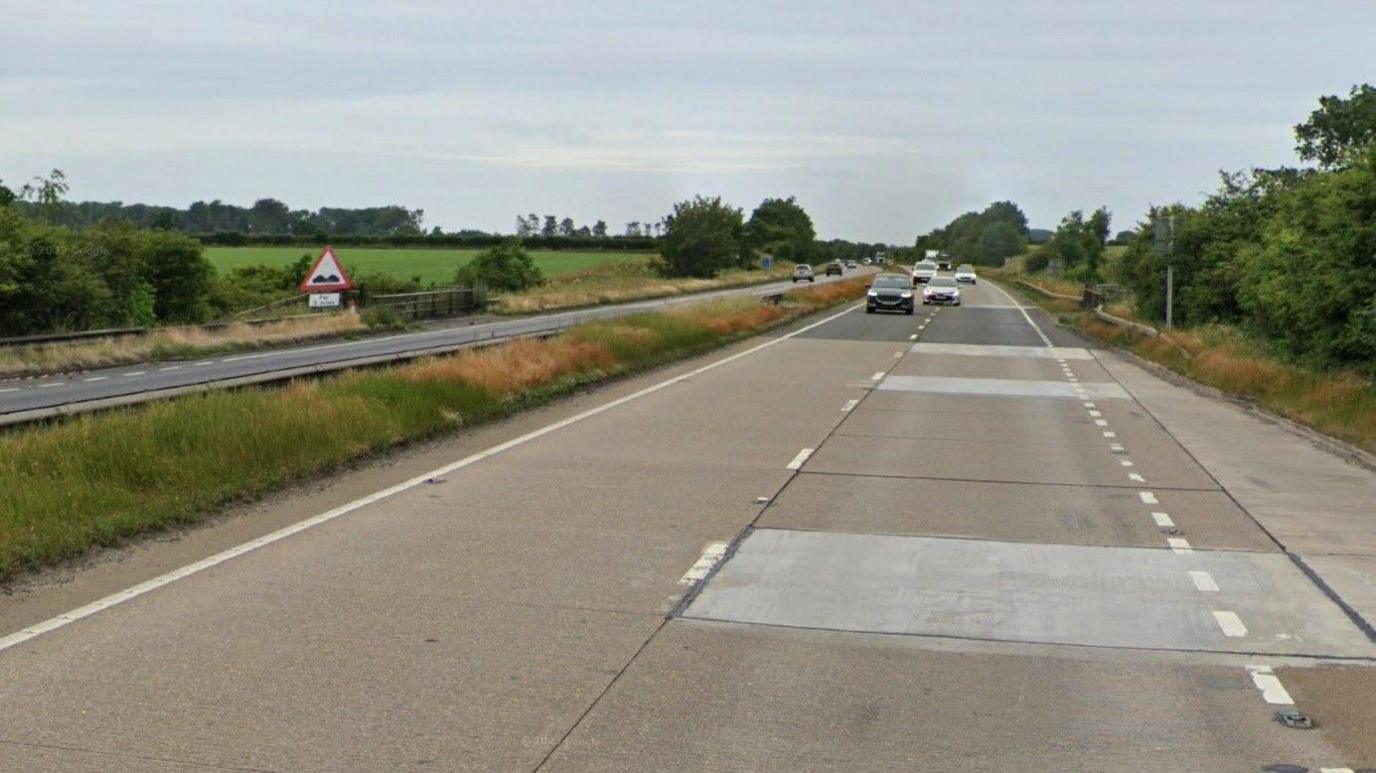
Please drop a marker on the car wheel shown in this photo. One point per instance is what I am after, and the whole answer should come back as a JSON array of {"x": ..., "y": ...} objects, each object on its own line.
[
  {"x": 869, "y": 309},
  {"x": 812, "y": 279}
]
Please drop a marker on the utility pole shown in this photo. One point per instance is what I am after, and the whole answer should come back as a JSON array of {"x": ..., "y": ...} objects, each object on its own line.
[{"x": 1164, "y": 243}]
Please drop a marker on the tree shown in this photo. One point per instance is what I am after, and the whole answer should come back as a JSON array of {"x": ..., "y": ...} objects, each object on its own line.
[
  {"x": 522, "y": 227},
  {"x": 1098, "y": 225},
  {"x": 599, "y": 229},
  {"x": 633, "y": 228},
  {"x": 7, "y": 196},
  {"x": 782, "y": 227},
  {"x": 997, "y": 242},
  {"x": 46, "y": 193},
  {"x": 704, "y": 237},
  {"x": 1341, "y": 130},
  {"x": 506, "y": 267},
  {"x": 550, "y": 227},
  {"x": 566, "y": 227}
]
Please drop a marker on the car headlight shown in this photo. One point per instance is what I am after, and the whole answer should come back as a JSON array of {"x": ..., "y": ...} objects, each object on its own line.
[
  {"x": 907, "y": 293},
  {"x": 872, "y": 294}
]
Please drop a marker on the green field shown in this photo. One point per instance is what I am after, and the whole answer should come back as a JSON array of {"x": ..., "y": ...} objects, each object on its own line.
[{"x": 431, "y": 265}]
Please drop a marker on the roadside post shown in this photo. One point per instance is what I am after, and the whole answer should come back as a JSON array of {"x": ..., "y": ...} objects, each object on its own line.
[
  {"x": 326, "y": 281},
  {"x": 1164, "y": 242}
]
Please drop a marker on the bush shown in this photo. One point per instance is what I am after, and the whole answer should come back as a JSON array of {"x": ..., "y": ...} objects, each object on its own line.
[
  {"x": 1037, "y": 261},
  {"x": 504, "y": 268},
  {"x": 705, "y": 237},
  {"x": 381, "y": 318}
]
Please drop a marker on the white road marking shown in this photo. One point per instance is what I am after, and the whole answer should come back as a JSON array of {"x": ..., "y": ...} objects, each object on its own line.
[
  {"x": 9, "y": 389},
  {"x": 1272, "y": 691},
  {"x": 170, "y": 367},
  {"x": 1204, "y": 581},
  {"x": 799, "y": 459},
  {"x": 1089, "y": 405},
  {"x": 1025, "y": 315},
  {"x": 1116, "y": 447},
  {"x": 897, "y": 355},
  {"x": 1230, "y": 623},
  {"x": 1179, "y": 546},
  {"x": 1126, "y": 463},
  {"x": 1336, "y": 770},
  {"x": 1100, "y": 423},
  {"x": 1148, "y": 498},
  {"x": 95, "y": 378},
  {"x": 912, "y": 337},
  {"x": 877, "y": 376},
  {"x": 134, "y": 373},
  {"x": 1110, "y": 434},
  {"x": 849, "y": 405},
  {"x": 206, "y": 362},
  {"x": 703, "y": 566},
  {"x": 49, "y": 385},
  {"x": 135, "y": 591},
  {"x": 1136, "y": 477},
  {"x": 1096, "y": 414},
  {"x": 1163, "y": 520}
]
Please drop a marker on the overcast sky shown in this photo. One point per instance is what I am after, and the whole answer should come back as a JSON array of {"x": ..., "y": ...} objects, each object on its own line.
[{"x": 884, "y": 118}]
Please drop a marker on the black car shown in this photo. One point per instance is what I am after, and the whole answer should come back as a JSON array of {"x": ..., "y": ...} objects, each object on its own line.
[
  {"x": 835, "y": 268},
  {"x": 890, "y": 292}
]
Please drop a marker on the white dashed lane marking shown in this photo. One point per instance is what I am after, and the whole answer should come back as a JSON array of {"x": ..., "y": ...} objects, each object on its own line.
[
  {"x": 134, "y": 373},
  {"x": 1163, "y": 520},
  {"x": 1230, "y": 623},
  {"x": 206, "y": 362},
  {"x": 1272, "y": 691},
  {"x": 1148, "y": 498},
  {"x": 700, "y": 569},
  {"x": 877, "y": 376},
  {"x": 1179, "y": 546},
  {"x": 1204, "y": 581},
  {"x": 1100, "y": 423},
  {"x": 95, "y": 378},
  {"x": 1110, "y": 434},
  {"x": 48, "y": 386},
  {"x": 170, "y": 367},
  {"x": 1136, "y": 477}
]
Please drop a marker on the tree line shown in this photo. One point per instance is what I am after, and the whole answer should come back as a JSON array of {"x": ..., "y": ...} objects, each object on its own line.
[
  {"x": 985, "y": 238},
  {"x": 1286, "y": 254}
]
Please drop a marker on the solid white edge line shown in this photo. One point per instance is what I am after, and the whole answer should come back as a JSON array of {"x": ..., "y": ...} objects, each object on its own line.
[
  {"x": 1203, "y": 581},
  {"x": 703, "y": 566},
  {"x": 1230, "y": 623},
  {"x": 118, "y": 597},
  {"x": 1025, "y": 315},
  {"x": 877, "y": 376},
  {"x": 1272, "y": 691},
  {"x": 799, "y": 459}
]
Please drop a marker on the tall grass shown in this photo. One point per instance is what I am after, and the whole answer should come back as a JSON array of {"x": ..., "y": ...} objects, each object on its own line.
[
  {"x": 98, "y": 479},
  {"x": 617, "y": 282},
  {"x": 171, "y": 343}
]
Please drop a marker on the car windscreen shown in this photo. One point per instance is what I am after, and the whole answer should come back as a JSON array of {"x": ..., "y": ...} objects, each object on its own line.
[
  {"x": 892, "y": 281},
  {"x": 942, "y": 281},
  {"x": 966, "y": 269},
  {"x": 927, "y": 265}
]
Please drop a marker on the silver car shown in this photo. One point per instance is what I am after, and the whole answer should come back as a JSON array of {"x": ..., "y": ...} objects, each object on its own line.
[
  {"x": 965, "y": 273},
  {"x": 803, "y": 273}
]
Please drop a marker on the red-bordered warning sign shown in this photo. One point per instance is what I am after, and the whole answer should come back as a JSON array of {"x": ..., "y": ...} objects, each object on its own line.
[{"x": 328, "y": 276}]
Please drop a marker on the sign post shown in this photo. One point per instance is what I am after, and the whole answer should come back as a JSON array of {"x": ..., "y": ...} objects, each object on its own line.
[
  {"x": 326, "y": 280},
  {"x": 1164, "y": 243}
]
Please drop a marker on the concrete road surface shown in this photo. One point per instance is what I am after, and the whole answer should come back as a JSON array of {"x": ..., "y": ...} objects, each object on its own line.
[{"x": 961, "y": 540}]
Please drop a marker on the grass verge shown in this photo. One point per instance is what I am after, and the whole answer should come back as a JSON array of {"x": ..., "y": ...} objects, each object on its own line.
[
  {"x": 98, "y": 479},
  {"x": 618, "y": 282},
  {"x": 1340, "y": 404},
  {"x": 172, "y": 343}
]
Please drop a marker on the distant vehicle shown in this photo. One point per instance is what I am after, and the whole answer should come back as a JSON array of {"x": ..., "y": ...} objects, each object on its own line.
[
  {"x": 965, "y": 273},
  {"x": 944, "y": 262},
  {"x": 923, "y": 271},
  {"x": 803, "y": 272},
  {"x": 850, "y": 264},
  {"x": 890, "y": 292},
  {"x": 866, "y": 261},
  {"x": 940, "y": 290},
  {"x": 834, "y": 267}
]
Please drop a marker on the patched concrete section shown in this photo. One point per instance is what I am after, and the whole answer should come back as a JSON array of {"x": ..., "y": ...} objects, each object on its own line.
[
  {"x": 993, "y": 350},
  {"x": 1001, "y": 387},
  {"x": 1009, "y": 512},
  {"x": 1055, "y": 594}
]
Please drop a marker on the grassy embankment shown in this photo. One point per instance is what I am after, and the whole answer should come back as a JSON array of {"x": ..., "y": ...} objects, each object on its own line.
[
  {"x": 618, "y": 282},
  {"x": 1340, "y": 404},
  {"x": 97, "y": 479},
  {"x": 171, "y": 343}
]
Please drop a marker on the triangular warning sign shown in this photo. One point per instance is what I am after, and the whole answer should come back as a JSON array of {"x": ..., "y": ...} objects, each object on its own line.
[{"x": 327, "y": 276}]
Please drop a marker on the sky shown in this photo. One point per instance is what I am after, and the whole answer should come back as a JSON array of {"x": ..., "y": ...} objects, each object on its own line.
[{"x": 884, "y": 119}]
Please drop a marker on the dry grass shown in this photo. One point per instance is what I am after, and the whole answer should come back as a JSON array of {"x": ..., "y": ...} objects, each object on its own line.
[
  {"x": 1340, "y": 404},
  {"x": 516, "y": 366},
  {"x": 171, "y": 343},
  {"x": 621, "y": 282},
  {"x": 732, "y": 317}
]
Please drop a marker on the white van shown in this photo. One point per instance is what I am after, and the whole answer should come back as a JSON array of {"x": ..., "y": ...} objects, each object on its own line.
[{"x": 923, "y": 271}]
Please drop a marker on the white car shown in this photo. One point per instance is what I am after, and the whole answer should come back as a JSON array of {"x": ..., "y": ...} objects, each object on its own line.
[
  {"x": 923, "y": 271},
  {"x": 965, "y": 273},
  {"x": 939, "y": 290},
  {"x": 803, "y": 273}
]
